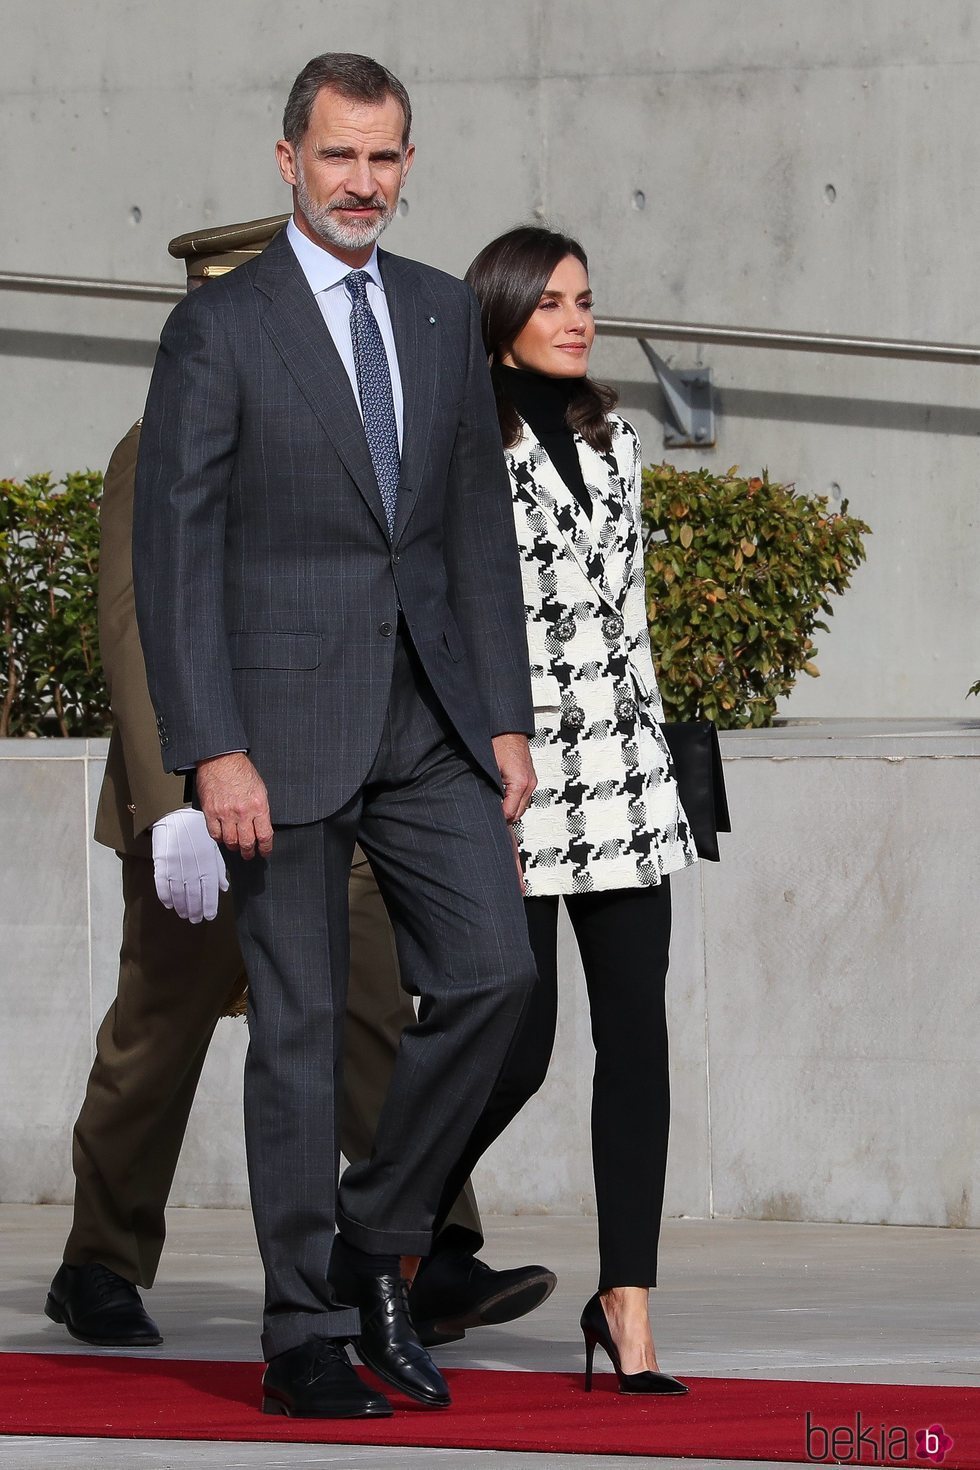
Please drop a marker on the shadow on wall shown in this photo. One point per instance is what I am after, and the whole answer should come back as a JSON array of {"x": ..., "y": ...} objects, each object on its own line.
[
  {"x": 70, "y": 347},
  {"x": 815, "y": 408}
]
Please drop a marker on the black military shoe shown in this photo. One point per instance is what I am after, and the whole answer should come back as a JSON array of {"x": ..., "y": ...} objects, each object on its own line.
[
  {"x": 453, "y": 1291},
  {"x": 317, "y": 1381},
  {"x": 100, "y": 1307},
  {"x": 388, "y": 1343}
]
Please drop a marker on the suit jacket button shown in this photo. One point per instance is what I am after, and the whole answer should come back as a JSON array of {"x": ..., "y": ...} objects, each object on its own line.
[{"x": 385, "y": 630}]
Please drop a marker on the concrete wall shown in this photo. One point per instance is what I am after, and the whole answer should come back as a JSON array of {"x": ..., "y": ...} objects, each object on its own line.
[
  {"x": 822, "y": 994},
  {"x": 803, "y": 166}
]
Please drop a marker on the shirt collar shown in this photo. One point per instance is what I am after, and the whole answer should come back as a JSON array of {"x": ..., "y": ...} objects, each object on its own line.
[{"x": 323, "y": 269}]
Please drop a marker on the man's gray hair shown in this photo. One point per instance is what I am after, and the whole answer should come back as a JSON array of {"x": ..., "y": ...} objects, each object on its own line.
[{"x": 356, "y": 77}]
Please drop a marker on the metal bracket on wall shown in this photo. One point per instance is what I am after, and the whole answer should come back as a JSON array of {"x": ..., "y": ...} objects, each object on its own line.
[{"x": 688, "y": 395}]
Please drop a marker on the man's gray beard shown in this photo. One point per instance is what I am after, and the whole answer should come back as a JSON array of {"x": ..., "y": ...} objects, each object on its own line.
[{"x": 323, "y": 220}]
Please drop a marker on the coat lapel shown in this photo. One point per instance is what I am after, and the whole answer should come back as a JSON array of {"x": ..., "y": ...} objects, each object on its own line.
[
  {"x": 415, "y": 325},
  {"x": 301, "y": 337},
  {"x": 614, "y": 529},
  {"x": 596, "y": 541}
]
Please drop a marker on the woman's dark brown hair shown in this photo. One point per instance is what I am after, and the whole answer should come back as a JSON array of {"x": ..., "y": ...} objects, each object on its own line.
[{"x": 509, "y": 276}]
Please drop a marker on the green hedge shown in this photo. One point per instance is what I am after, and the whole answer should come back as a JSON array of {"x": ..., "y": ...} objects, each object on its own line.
[
  {"x": 734, "y": 595},
  {"x": 50, "y": 675}
]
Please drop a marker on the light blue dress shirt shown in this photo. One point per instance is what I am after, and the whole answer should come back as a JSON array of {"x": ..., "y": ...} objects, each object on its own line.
[{"x": 325, "y": 275}]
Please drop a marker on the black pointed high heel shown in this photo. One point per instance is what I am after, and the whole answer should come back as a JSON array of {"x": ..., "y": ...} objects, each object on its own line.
[{"x": 595, "y": 1330}]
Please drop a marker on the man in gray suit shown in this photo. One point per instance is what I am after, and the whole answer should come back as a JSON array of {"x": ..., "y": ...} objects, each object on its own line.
[{"x": 330, "y": 608}]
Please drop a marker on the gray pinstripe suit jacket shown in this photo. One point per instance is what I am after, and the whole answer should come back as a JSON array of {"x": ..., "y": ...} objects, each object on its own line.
[{"x": 267, "y": 586}]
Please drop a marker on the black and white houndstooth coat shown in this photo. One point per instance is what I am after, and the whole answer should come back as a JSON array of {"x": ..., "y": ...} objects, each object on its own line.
[{"x": 606, "y": 812}]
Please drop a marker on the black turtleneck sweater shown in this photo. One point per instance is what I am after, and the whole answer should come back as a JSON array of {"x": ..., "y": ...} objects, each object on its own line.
[{"x": 542, "y": 403}]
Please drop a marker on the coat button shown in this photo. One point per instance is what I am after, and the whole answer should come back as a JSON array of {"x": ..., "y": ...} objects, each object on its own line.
[
  {"x": 625, "y": 707},
  {"x": 574, "y": 718},
  {"x": 563, "y": 630},
  {"x": 385, "y": 630},
  {"x": 612, "y": 628}
]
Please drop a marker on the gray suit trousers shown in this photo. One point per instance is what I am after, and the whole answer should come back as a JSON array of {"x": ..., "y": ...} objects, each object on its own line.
[{"x": 433, "y": 829}]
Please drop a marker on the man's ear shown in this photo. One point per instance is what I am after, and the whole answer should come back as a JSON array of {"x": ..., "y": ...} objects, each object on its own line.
[
  {"x": 286, "y": 159},
  {"x": 407, "y": 165}
]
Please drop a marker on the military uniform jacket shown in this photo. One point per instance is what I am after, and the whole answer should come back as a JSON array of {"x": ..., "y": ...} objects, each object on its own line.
[
  {"x": 136, "y": 790},
  {"x": 606, "y": 812}
]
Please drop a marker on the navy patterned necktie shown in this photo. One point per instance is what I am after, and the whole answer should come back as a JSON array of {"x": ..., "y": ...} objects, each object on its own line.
[{"x": 374, "y": 386}]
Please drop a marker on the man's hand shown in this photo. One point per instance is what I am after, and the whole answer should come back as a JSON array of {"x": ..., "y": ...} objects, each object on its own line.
[
  {"x": 236, "y": 804},
  {"x": 188, "y": 870},
  {"x": 516, "y": 773}
]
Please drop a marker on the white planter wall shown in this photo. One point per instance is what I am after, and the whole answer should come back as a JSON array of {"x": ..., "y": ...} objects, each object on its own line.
[{"x": 823, "y": 1010}]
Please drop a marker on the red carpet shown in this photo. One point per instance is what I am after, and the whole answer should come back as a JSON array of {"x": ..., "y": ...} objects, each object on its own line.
[{"x": 723, "y": 1418}]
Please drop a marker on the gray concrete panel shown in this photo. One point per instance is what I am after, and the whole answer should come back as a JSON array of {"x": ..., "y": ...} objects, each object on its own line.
[
  {"x": 45, "y": 1039},
  {"x": 688, "y": 1169},
  {"x": 105, "y": 906},
  {"x": 842, "y": 1026}
]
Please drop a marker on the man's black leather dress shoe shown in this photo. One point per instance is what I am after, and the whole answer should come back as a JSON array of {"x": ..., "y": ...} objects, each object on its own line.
[
  {"x": 100, "y": 1307},
  {"x": 317, "y": 1381},
  {"x": 453, "y": 1291},
  {"x": 388, "y": 1343}
]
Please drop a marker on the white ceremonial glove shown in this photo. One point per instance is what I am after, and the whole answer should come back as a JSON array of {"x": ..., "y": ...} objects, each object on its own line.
[{"x": 188, "y": 868}]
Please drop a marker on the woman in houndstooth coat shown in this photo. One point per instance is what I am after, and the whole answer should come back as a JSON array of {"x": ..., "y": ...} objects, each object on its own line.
[
  {"x": 606, "y": 813},
  {"x": 605, "y": 826}
]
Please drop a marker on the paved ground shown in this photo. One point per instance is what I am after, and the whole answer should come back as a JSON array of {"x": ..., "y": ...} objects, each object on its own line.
[{"x": 880, "y": 1304}]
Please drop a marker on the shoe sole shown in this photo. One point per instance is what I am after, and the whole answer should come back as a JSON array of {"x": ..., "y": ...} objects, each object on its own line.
[
  {"x": 506, "y": 1306},
  {"x": 662, "y": 1393},
  {"x": 276, "y": 1406},
  {"x": 428, "y": 1403},
  {"x": 58, "y": 1314}
]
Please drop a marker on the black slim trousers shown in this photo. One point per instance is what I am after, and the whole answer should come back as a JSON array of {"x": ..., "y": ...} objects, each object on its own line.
[{"x": 624, "y": 941}]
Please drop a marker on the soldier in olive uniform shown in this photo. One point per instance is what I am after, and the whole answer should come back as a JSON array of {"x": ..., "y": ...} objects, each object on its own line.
[{"x": 176, "y": 978}]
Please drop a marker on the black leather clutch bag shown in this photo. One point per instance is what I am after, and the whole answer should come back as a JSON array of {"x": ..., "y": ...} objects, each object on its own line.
[{"x": 696, "y": 756}]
